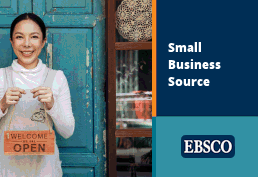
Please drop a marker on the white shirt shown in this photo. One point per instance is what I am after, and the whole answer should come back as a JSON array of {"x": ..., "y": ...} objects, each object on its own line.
[{"x": 61, "y": 112}]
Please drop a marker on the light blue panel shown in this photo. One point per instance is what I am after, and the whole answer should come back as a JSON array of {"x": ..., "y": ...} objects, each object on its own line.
[
  {"x": 64, "y": 16},
  {"x": 154, "y": 144},
  {"x": 12, "y": 8},
  {"x": 6, "y": 52},
  {"x": 78, "y": 172},
  {"x": 78, "y": 160},
  {"x": 9, "y": 10},
  {"x": 64, "y": 8},
  {"x": 5, "y": 3},
  {"x": 69, "y": 3},
  {"x": 70, "y": 21},
  {"x": 43, "y": 54},
  {"x": 169, "y": 131},
  {"x": 71, "y": 53},
  {"x": 25, "y": 6}
]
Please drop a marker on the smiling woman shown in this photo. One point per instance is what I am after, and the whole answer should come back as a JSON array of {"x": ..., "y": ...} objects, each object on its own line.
[
  {"x": 28, "y": 88},
  {"x": 27, "y": 39}
]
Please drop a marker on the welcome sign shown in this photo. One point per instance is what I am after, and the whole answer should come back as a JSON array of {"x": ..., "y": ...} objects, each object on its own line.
[{"x": 29, "y": 142}]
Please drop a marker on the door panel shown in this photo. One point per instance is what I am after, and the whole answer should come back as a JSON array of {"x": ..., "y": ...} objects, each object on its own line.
[
  {"x": 10, "y": 9},
  {"x": 6, "y": 53},
  {"x": 78, "y": 172},
  {"x": 76, "y": 45},
  {"x": 61, "y": 15},
  {"x": 56, "y": 7},
  {"x": 71, "y": 54}
]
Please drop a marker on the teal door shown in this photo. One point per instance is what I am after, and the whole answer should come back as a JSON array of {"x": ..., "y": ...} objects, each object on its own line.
[{"x": 75, "y": 45}]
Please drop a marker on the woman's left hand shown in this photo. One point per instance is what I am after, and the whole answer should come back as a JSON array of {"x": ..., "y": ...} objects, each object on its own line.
[{"x": 45, "y": 95}]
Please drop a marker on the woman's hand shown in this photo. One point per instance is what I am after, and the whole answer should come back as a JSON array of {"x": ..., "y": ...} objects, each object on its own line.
[
  {"x": 11, "y": 96},
  {"x": 45, "y": 95}
]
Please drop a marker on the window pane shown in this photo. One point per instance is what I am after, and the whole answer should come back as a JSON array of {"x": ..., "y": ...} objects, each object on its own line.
[
  {"x": 133, "y": 89},
  {"x": 134, "y": 156}
]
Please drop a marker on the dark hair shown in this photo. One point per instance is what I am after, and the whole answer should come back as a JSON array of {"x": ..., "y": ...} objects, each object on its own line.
[{"x": 32, "y": 17}]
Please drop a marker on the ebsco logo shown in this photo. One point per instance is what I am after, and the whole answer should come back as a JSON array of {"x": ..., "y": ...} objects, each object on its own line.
[{"x": 208, "y": 146}]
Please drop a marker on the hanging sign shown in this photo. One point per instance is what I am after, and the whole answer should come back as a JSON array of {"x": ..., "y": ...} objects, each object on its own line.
[{"x": 29, "y": 142}]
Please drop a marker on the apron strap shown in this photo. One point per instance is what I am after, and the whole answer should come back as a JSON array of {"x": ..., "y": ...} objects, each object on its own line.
[
  {"x": 9, "y": 83},
  {"x": 48, "y": 83},
  {"x": 5, "y": 79},
  {"x": 9, "y": 76},
  {"x": 49, "y": 77}
]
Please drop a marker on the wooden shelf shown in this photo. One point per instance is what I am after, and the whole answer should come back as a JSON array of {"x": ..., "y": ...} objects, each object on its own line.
[
  {"x": 133, "y": 45},
  {"x": 133, "y": 167},
  {"x": 139, "y": 132}
]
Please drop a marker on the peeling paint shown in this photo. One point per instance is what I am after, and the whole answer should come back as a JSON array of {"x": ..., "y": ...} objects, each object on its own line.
[
  {"x": 97, "y": 141},
  {"x": 91, "y": 71},
  {"x": 104, "y": 141},
  {"x": 49, "y": 52},
  {"x": 53, "y": 18},
  {"x": 87, "y": 57},
  {"x": 90, "y": 120},
  {"x": 100, "y": 18},
  {"x": 103, "y": 6},
  {"x": 94, "y": 23},
  {"x": 88, "y": 104}
]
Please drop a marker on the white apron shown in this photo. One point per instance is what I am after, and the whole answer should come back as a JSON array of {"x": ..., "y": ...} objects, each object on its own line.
[{"x": 28, "y": 115}]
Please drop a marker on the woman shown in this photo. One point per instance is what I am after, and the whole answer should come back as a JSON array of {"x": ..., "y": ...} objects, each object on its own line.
[{"x": 25, "y": 88}]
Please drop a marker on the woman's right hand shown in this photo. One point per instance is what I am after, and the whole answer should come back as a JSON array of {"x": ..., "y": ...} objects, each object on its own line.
[{"x": 11, "y": 96}]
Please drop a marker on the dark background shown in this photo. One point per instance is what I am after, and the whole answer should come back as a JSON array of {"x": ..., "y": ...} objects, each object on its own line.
[{"x": 228, "y": 33}]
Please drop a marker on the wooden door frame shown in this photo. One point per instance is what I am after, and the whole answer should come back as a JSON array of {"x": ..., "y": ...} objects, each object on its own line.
[
  {"x": 111, "y": 87},
  {"x": 111, "y": 47}
]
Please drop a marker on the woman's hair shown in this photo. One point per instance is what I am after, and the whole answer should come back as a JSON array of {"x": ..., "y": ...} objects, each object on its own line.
[{"x": 29, "y": 16}]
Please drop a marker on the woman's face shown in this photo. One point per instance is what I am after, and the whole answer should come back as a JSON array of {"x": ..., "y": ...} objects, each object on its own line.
[{"x": 27, "y": 43}]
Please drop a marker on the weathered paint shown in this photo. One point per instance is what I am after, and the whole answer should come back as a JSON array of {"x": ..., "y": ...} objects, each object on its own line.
[
  {"x": 84, "y": 68},
  {"x": 91, "y": 71},
  {"x": 104, "y": 142},
  {"x": 94, "y": 23},
  {"x": 61, "y": 52},
  {"x": 87, "y": 57},
  {"x": 84, "y": 157},
  {"x": 50, "y": 54},
  {"x": 100, "y": 17},
  {"x": 96, "y": 141},
  {"x": 99, "y": 82}
]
